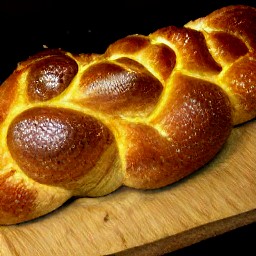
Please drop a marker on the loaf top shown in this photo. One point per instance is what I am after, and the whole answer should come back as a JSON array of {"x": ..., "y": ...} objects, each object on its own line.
[{"x": 146, "y": 113}]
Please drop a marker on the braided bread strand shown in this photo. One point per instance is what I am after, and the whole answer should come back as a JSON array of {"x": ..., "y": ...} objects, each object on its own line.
[{"x": 146, "y": 113}]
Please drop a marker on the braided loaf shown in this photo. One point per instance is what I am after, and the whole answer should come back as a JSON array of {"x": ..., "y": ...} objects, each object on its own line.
[{"x": 146, "y": 113}]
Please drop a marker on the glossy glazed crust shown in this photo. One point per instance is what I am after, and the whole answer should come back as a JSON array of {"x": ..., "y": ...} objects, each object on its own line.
[{"x": 146, "y": 113}]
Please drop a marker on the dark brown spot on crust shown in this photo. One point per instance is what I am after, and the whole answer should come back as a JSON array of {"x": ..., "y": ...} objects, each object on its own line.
[
  {"x": 106, "y": 217},
  {"x": 57, "y": 146}
]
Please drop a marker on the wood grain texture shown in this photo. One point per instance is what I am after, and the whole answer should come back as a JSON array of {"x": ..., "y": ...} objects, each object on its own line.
[{"x": 215, "y": 199}]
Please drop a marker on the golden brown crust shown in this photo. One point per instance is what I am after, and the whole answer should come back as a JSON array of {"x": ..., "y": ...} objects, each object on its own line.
[
  {"x": 56, "y": 146},
  {"x": 190, "y": 47},
  {"x": 146, "y": 113},
  {"x": 237, "y": 20},
  {"x": 43, "y": 87},
  {"x": 133, "y": 90},
  {"x": 196, "y": 120},
  {"x": 16, "y": 198}
]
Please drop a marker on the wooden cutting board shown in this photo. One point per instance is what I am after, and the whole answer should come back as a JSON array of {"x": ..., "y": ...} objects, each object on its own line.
[{"x": 215, "y": 199}]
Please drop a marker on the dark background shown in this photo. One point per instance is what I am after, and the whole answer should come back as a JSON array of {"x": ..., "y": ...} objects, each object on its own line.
[{"x": 89, "y": 27}]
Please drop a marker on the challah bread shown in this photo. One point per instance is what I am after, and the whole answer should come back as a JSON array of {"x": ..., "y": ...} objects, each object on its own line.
[{"x": 146, "y": 113}]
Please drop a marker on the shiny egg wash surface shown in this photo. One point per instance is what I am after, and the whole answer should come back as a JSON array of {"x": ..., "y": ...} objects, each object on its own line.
[
  {"x": 53, "y": 145},
  {"x": 113, "y": 88},
  {"x": 58, "y": 145},
  {"x": 50, "y": 76}
]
